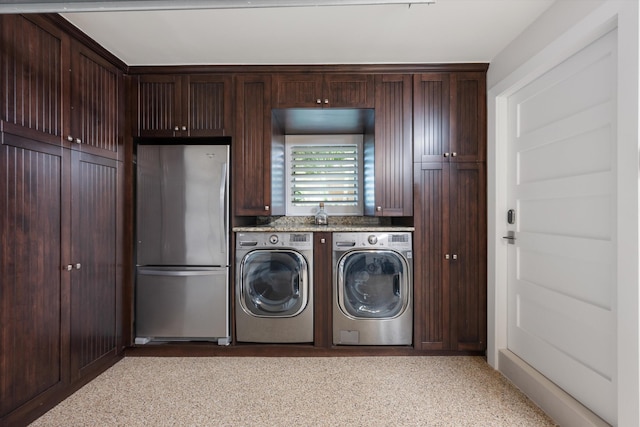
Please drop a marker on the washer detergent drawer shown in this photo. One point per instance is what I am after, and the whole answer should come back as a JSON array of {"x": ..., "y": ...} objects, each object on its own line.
[{"x": 186, "y": 303}]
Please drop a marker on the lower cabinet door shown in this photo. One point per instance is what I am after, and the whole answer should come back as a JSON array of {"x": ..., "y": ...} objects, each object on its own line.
[{"x": 95, "y": 240}]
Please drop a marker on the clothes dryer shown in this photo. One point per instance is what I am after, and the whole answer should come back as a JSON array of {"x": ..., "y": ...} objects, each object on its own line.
[
  {"x": 373, "y": 288},
  {"x": 274, "y": 287}
]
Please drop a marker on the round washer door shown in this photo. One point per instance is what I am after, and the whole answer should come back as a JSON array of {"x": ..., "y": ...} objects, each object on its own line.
[
  {"x": 373, "y": 284},
  {"x": 274, "y": 283}
]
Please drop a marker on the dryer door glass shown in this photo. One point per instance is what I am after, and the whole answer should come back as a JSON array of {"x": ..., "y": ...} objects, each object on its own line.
[
  {"x": 372, "y": 284},
  {"x": 274, "y": 283}
]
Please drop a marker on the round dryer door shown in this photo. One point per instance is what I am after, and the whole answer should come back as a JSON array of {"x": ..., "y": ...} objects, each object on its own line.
[
  {"x": 373, "y": 284},
  {"x": 274, "y": 283}
]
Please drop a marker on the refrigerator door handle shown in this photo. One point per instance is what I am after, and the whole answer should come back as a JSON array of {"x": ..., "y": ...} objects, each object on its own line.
[
  {"x": 223, "y": 218},
  {"x": 168, "y": 272}
]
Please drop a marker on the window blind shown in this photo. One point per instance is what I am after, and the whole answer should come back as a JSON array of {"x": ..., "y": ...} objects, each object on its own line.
[{"x": 326, "y": 173}]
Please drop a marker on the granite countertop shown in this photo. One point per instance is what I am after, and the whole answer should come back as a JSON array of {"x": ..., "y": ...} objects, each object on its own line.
[{"x": 320, "y": 228}]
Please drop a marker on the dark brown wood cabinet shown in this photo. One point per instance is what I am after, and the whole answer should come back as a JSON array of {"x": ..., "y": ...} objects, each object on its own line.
[
  {"x": 96, "y": 97},
  {"x": 322, "y": 289},
  {"x": 392, "y": 147},
  {"x": 450, "y": 117},
  {"x": 34, "y": 226},
  {"x": 184, "y": 105},
  {"x": 318, "y": 90},
  {"x": 450, "y": 267},
  {"x": 450, "y": 211},
  {"x": 61, "y": 238},
  {"x": 96, "y": 235},
  {"x": 252, "y": 147}
]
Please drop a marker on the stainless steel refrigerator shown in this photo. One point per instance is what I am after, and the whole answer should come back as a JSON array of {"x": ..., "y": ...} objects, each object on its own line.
[{"x": 182, "y": 239}]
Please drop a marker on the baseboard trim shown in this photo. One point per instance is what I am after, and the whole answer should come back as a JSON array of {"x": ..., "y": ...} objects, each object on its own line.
[{"x": 560, "y": 406}]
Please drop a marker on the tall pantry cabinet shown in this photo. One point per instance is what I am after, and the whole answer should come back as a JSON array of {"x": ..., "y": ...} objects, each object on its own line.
[
  {"x": 450, "y": 210},
  {"x": 60, "y": 156}
]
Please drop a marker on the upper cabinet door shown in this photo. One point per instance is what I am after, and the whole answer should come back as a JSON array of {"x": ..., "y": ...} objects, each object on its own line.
[
  {"x": 349, "y": 91},
  {"x": 468, "y": 117},
  {"x": 431, "y": 117},
  {"x": 159, "y": 104},
  {"x": 323, "y": 91},
  {"x": 96, "y": 104},
  {"x": 252, "y": 146},
  {"x": 208, "y": 106},
  {"x": 297, "y": 91},
  {"x": 393, "y": 147},
  {"x": 33, "y": 74}
]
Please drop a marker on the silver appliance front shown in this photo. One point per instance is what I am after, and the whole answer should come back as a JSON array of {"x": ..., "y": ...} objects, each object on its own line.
[
  {"x": 182, "y": 242},
  {"x": 274, "y": 291},
  {"x": 187, "y": 303},
  {"x": 373, "y": 288}
]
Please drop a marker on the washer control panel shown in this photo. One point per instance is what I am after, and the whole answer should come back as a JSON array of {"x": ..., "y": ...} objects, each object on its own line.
[
  {"x": 393, "y": 240},
  {"x": 266, "y": 239}
]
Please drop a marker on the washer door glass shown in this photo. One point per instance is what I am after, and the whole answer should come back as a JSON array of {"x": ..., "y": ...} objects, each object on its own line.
[
  {"x": 274, "y": 283},
  {"x": 372, "y": 284}
]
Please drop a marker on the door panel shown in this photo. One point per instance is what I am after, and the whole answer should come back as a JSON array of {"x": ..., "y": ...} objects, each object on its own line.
[
  {"x": 562, "y": 265},
  {"x": 33, "y": 285},
  {"x": 94, "y": 253}
]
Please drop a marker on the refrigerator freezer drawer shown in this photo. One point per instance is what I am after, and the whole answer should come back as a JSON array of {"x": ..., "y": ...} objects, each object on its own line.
[{"x": 182, "y": 304}]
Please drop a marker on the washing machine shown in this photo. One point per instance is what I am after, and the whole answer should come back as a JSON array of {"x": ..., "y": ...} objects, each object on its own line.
[
  {"x": 274, "y": 287},
  {"x": 373, "y": 288}
]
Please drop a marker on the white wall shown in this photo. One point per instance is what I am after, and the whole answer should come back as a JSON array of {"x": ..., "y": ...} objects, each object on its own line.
[{"x": 562, "y": 30}]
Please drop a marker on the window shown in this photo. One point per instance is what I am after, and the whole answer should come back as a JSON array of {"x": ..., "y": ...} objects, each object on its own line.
[{"x": 324, "y": 168}]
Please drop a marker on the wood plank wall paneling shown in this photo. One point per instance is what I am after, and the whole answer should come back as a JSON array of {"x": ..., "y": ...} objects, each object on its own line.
[
  {"x": 30, "y": 76},
  {"x": 31, "y": 285},
  {"x": 431, "y": 119}
]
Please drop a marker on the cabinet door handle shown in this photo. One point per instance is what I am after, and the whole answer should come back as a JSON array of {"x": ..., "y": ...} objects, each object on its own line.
[
  {"x": 184, "y": 128},
  {"x": 176, "y": 128},
  {"x": 78, "y": 141},
  {"x": 454, "y": 154},
  {"x": 454, "y": 256},
  {"x": 326, "y": 101},
  {"x": 446, "y": 154},
  {"x": 78, "y": 266},
  {"x": 323, "y": 241},
  {"x": 70, "y": 138},
  {"x": 318, "y": 101},
  {"x": 447, "y": 256},
  {"x": 379, "y": 208},
  {"x": 67, "y": 267},
  {"x": 266, "y": 208}
]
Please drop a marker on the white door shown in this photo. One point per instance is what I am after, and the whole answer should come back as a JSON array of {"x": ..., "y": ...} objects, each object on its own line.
[{"x": 562, "y": 263}]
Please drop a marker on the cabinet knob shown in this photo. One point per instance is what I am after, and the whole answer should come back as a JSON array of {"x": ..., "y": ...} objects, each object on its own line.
[
  {"x": 326, "y": 101},
  {"x": 454, "y": 154},
  {"x": 184, "y": 128},
  {"x": 454, "y": 256},
  {"x": 67, "y": 267},
  {"x": 78, "y": 141},
  {"x": 446, "y": 154},
  {"x": 447, "y": 256},
  {"x": 70, "y": 138},
  {"x": 78, "y": 266},
  {"x": 318, "y": 101},
  {"x": 176, "y": 128},
  {"x": 323, "y": 241},
  {"x": 266, "y": 208},
  {"x": 379, "y": 208}
]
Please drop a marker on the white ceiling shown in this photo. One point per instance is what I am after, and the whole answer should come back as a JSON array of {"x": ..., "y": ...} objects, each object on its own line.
[{"x": 446, "y": 32}]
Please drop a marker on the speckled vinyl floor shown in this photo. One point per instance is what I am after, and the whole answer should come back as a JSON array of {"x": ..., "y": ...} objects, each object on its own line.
[{"x": 286, "y": 391}]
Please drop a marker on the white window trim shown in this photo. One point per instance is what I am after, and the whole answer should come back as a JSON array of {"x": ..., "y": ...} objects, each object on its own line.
[{"x": 293, "y": 140}]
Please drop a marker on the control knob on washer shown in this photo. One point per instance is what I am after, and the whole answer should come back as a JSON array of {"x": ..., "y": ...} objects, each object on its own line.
[
  {"x": 373, "y": 239},
  {"x": 273, "y": 239}
]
